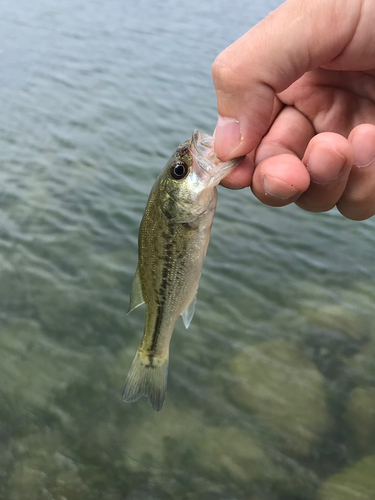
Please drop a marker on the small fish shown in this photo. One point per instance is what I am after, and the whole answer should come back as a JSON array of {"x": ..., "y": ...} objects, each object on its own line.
[{"x": 173, "y": 240}]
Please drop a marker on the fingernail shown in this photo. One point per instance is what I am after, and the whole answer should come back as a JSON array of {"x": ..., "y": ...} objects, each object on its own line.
[
  {"x": 278, "y": 188},
  {"x": 227, "y": 136},
  {"x": 364, "y": 153},
  {"x": 323, "y": 167}
]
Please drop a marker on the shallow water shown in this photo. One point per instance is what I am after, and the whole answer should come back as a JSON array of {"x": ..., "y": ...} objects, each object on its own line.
[{"x": 272, "y": 389}]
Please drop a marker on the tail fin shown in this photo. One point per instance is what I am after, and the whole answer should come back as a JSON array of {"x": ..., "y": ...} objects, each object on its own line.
[{"x": 147, "y": 379}]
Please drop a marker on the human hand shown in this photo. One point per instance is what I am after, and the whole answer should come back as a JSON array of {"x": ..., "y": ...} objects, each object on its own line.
[{"x": 296, "y": 94}]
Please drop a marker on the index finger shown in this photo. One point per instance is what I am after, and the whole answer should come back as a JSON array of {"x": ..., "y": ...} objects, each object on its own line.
[{"x": 298, "y": 36}]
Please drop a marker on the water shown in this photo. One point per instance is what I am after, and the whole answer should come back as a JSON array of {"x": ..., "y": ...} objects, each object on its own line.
[{"x": 272, "y": 389}]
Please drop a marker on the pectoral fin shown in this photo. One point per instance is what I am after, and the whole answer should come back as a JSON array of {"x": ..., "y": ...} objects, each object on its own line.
[
  {"x": 188, "y": 314},
  {"x": 136, "y": 298}
]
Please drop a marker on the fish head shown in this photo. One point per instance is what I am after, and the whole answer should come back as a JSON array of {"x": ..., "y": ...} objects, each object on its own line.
[{"x": 189, "y": 179}]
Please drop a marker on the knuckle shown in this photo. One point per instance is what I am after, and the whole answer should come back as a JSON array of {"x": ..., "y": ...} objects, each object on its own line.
[
  {"x": 226, "y": 72},
  {"x": 220, "y": 70}
]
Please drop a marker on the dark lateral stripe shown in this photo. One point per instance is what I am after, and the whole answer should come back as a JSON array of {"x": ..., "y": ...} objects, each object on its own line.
[
  {"x": 168, "y": 249},
  {"x": 155, "y": 335}
]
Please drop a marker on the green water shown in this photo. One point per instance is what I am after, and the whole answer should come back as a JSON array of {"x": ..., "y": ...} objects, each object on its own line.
[{"x": 272, "y": 389}]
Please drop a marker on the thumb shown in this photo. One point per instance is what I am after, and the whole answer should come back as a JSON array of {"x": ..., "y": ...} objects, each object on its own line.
[{"x": 299, "y": 36}]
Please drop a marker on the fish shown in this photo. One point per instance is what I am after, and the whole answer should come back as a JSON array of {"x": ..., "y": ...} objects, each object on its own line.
[{"x": 172, "y": 243}]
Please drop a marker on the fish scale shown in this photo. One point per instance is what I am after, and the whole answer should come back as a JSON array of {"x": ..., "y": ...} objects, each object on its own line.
[{"x": 173, "y": 240}]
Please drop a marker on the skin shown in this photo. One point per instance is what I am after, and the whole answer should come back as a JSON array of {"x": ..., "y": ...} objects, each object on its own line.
[{"x": 296, "y": 94}]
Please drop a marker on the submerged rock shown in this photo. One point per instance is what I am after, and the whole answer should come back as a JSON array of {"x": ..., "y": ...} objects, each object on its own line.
[
  {"x": 41, "y": 471},
  {"x": 156, "y": 433},
  {"x": 285, "y": 390},
  {"x": 352, "y": 483},
  {"x": 33, "y": 365},
  {"x": 360, "y": 415},
  {"x": 234, "y": 452},
  {"x": 182, "y": 443},
  {"x": 362, "y": 366},
  {"x": 342, "y": 319}
]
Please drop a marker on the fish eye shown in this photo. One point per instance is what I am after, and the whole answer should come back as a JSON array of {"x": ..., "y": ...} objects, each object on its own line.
[{"x": 179, "y": 170}]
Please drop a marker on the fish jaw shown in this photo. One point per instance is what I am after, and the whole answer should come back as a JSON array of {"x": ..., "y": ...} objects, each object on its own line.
[{"x": 206, "y": 165}]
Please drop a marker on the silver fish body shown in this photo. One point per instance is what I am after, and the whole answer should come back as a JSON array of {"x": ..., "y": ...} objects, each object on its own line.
[{"x": 173, "y": 240}]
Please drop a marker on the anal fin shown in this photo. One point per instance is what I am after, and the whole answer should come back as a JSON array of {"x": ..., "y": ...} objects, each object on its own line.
[{"x": 188, "y": 314}]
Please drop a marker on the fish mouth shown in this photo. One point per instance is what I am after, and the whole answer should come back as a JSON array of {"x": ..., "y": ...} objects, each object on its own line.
[{"x": 202, "y": 150}]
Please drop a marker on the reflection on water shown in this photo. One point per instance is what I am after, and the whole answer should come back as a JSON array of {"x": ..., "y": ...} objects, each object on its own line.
[{"x": 272, "y": 389}]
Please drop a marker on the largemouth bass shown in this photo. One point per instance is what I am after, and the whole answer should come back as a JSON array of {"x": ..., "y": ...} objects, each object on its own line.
[{"x": 173, "y": 239}]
